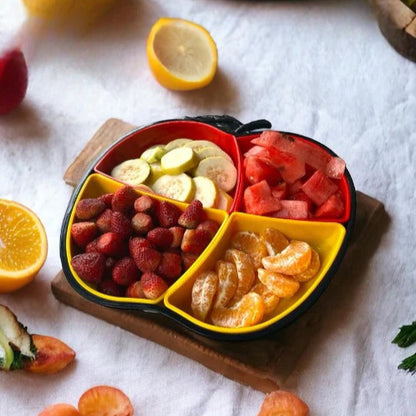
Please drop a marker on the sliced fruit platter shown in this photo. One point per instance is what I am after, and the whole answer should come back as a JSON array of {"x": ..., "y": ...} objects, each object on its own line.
[{"x": 231, "y": 230}]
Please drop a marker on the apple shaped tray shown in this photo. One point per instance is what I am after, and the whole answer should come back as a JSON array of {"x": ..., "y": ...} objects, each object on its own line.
[{"x": 330, "y": 237}]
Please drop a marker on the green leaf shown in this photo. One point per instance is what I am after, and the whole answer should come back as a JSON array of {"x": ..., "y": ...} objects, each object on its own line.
[
  {"x": 406, "y": 335},
  {"x": 409, "y": 364}
]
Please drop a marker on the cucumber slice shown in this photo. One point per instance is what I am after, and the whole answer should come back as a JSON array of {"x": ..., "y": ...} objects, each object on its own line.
[
  {"x": 178, "y": 161},
  {"x": 132, "y": 171},
  {"x": 6, "y": 353},
  {"x": 206, "y": 191},
  {"x": 155, "y": 173},
  {"x": 210, "y": 152},
  {"x": 176, "y": 143},
  {"x": 180, "y": 187},
  {"x": 220, "y": 170},
  {"x": 197, "y": 145},
  {"x": 224, "y": 201},
  {"x": 154, "y": 153}
]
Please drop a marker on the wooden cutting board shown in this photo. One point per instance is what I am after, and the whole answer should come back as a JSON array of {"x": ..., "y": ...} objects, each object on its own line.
[{"x": 263, "y": 364}]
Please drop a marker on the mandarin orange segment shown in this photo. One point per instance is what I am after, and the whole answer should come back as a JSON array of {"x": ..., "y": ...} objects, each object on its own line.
[
  {"x": 294, "y": 259},
  {"x": 281, "y": 285},
  {"x": 312, "y": 270},
  {"x": 104, "y": 401},
  {"x": 245, "y": 271},
  {"x": 59, "y": 409},
  {"x": 269, "y": 298},
  {"x": 274, "y": 240},
  {"x": 203, "y": 292},
  {"x": 247, "y": 312},
  {"x": 251, "y": 244},
  {"x": 283, "y": 403},
  {"x": 227, "y": 282}
]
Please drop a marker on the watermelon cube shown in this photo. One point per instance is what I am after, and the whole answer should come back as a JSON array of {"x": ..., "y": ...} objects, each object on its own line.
[
  {"x": 258, "y": 199},
  {"x": 335, "y": 168},
  {"x": 289, "y": 166},
  {"x": 257, "y": 170},
  {"x": 333, "y": 207},
  {"x": 301, "y": 196},
  {"x": 280, "y": 190},
  {"x": 295, "y": 210},
  {"x": 294, "y": 187},
  {"x": 254, "y": 151},
  {"x": 275, "y": 139},
  {"x": 319, "y": 187}
]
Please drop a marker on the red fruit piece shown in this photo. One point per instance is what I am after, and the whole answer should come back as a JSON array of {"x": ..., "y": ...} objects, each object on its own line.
[
  {"x": 295, "y": 187},
  {"x": 319, "y": 188},
  {"x": 254, "y": 151},
  {"x": 258, "y": 199},
  {"x": 136, "y": 243},
  {"x": 89, "y": 208},
  {"x": 83, "y": 233},
  {"x": 125, "y": 272},
  {"x": 104, "y": 221},
  {"x": 333, "y": 207},
  {"x": 283, "y": 403},
  {"x": 170, "y": 266},
  {"x": 111, "y": 288},
  {"x": 123, "y": 199},
  {"x": 135, "y": 290},
  {"x": 168, "y": 214},
  {"x": 177, "y": 233},
  {"x": 142, "y": 223},
  {"x": 92, "y": 247},
  {"x": 209, "y": 226},
  {"x": 89, "y": 266},
  {"x": 301, "y": 196},
  {"x": 111, "y": 244},
  {"x": 107, "y": 199},
  {"x": 188, "y": 259},
  {"x": 153, "y": 285},
  {"x": 279, "y": 191},
  {"x": 297, "y": 210},
  {"x": 192, "y": 215},
  {"x": 121, "y": 224},
  {"x": 195, "y": 241},
  {"x": 146, "y": 259},
  {"x": 257, "y": 170},
  {"x": 13, "y": 80},
  {"x": 335, "y": 168},
  {"x": 145, "y": 204},
  {"x": 160, "y": 238}
]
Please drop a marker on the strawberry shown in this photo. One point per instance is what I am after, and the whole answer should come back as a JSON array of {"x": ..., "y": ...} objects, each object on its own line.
[
  {"x": 170, "y": 266},
  {"x": 160, "y": 238},
  {"x": 91, "y": 247},
  {"x": 123, "y": 199},
  {"x": 188, "y": 259},
  {"x": 210, "y": 226},
  {"x": 177, "y": 233},
  {"x": 125, "y": 272},
  {"x": 168, "y": 214},
  {"x": 153, "y": 285},
  {"x": 120, "y": 224},
  {"x": 145, "y": 204},
  {"x": 89, "y": 266},
  {"x": 104, "y": 221},
  {"x": 135, "y": 290},
  {"x": 146, "y": 259},
  {"x": 83, "y": 233},
  {"x": 137, "y": 242},
  {"x": 111, "y": 244},
  {"x": 89, "y": 208},
  {"x": 107, "y": 199},
  {"x": 110, "y": 287},
  {"x": 195, "y": 241},
  {"x": 141, "y": 223},
  {"x": 192, "y": 215}
]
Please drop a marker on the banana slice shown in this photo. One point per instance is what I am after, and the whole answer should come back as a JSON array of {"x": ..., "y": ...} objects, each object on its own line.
[
  {"x": 178, "y": 161},
  {"x": 180, "y": 187},
  {"x": 220, "y": 170},
  {"x": 206, "y": 191},
  {"x": 211, "y": 151},
  {"x": 176, "y": 143},
  {"x": 154, "y": 153},
  {"x": 197, "y": 145},
  {"x": 224, "y": 201},
  {"x": 132, "y": 171}
]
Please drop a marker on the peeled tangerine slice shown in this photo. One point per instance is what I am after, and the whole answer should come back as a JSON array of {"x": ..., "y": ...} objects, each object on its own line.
[
  {"x": 227, "y": 283},
  {"x": 180, "y": 187},
  {"x": 269, "y": 298},
  {"x": 274, "y": 240},
  {"x": 294, "y": 259},
  {"x": 251, "y": 244},
  {"x": 178, "y": 161},
  {"x": 132, "y": 171},
  {"x": 205, "y": 191},
  {"x": 311, "y": 271},
  {"x": 203, "y": 292},
  {"x": 247, "y": 312},
  {"x": 281, "y": 285},
  {"x": 220, "y": 170},
  {"x": 245, "y": 271}
]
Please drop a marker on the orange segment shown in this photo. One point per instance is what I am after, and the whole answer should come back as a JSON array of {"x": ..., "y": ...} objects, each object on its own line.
[
  {"x": 294, "y": 259},
  {"x": 269, "y": 298},
  {"x": 203, "y": 292},
  {"x": 251, "y": 244},
  {"x": 281, "y": 285},
  {"x": 247, "y": 312},
  {"x": 59, "y": 409},
  {"x": 23, "y": 245},
  {"x": 245, "y": 271},
  {"x": 227, "y": 282},
  {"x": 182, "y": 55},
  {"x": 311, "y": 271},
  {"x": 283, "y": 403},
  {"x": 274, "y": 240},
  {"x": 104, "y": 401}
]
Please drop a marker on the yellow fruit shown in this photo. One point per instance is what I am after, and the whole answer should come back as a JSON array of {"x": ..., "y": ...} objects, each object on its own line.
[
  {"x": 23, "y": 245},
  {"x": 182, "y": 55}
]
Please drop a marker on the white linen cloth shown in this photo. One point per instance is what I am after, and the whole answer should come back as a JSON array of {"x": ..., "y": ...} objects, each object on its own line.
[{"x": 318, "y": 68}]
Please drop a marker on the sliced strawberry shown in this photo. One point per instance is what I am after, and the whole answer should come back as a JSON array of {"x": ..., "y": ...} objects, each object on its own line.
[
  {"x": 83, "y": 233},
  {"x": 160, "y": 238},
  {"x": 195, "y": 241},
  {"x": 258, "y": 199},
  {"x": 104, "y": 221},
  {"x": 177, "y": 233},
  {"x": 319, "y": 187},
  {"x": 135, "y": 290},
  {"x": 170, "y": 266},
  {"x": 107, "y": 199},
  {"x": 210, "y": 226},
  {"x": 333, "y": 207},
  {"x": 89, "y": 208},
  {"x": 123, "y": 199},
  {"x": 153, "y": 285},
  {"x": 125, "y": 272},
  {"x": 111, "y": 244},
  {"x": 142, "y": 223},
  {"x": 145, "y": 204},
  {"x": 146, "y": 259},
  {"x": 192, "y": 215},
  {"x": 121, "y": 224},
  {"x": 168, "y": 214},
  {"x": 257, "y": 170},
  {"x": 89, "y": 266},
  {"x": 188, "y": 259}
]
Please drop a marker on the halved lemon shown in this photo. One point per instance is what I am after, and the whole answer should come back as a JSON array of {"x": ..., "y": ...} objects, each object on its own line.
[
  {"x": 23, "y": 245},
  {"x": 182, "y": 55}
]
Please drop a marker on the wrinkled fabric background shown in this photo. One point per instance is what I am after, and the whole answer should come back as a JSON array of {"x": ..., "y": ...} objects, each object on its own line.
[{"x": 318, "y": 68}]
